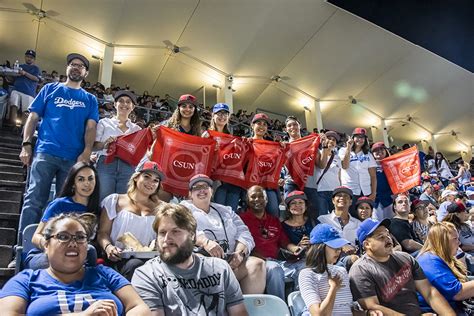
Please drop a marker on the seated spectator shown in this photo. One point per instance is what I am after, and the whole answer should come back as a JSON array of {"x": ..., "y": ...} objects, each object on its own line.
[
  {"x": 324, "y": 286},
  {"x": 400, "y": 226},
  {"x": 133, "y": 213},
  {"x": 444, "y": 271},
  {"x": 420, "y": 223},
  {"x": 447, "y": 197},
  {"x": 66, "y": 286},
  {"x": 180, "y": 282},
  {"x": 222, "y": 234},
  {"x": 364, "y": 207},
  {"x": 388, "y": 281},
  {"x": 269, "y": 237},
  {"x": 80, "y": 194},
  {"x": 458, "y": 215},
  {"x": 297, "y": 225}
]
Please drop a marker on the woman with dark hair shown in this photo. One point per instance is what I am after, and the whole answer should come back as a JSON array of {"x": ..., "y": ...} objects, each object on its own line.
[
  {"x": 80, "y": 194},
  {"x": 132, "y": 213},
  {"x": 442, "y": 168},
  {"x": 65, "y": 285},
  {"x": 185, "y": 118},
  {"x": 383, "y": 200},
  {"x": 297, "y": 224},
  {"x": 324, "y": 286},
  {"x": 359, "y": 168},
  {"x": 364, "y": 207}
]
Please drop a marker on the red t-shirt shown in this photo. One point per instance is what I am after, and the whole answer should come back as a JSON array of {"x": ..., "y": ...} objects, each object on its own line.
[{"x": 267, "y": 233}]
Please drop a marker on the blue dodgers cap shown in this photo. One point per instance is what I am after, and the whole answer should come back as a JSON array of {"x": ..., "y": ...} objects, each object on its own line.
[
  {"x": 325, "y": 233},
  {"x": 220, "y": 107},
  {"x": 31, "y": 53},
  {"x": 368, "y": 226}
]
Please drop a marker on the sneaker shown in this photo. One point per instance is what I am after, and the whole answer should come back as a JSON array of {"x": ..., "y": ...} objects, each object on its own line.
[{"x": 12, "y": 264}]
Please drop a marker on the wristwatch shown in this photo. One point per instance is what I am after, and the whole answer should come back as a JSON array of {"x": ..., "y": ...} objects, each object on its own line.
[{"x": 26, "y": 144}]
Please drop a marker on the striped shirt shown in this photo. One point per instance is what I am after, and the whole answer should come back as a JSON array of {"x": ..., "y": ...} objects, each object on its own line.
[{"x": 314, "y": 288}]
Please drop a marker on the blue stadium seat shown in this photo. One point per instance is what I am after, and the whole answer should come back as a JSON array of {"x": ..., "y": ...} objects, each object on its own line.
[
  {"x": 265, "y": 305},
  {"x": 296, "y": 303},
  {"x": 25, "y": 245}
]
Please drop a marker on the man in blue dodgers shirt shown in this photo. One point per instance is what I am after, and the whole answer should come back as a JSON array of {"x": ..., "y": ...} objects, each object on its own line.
[
  {"x": 69, "y": 117},
  {"x": 24, "y": 89}
]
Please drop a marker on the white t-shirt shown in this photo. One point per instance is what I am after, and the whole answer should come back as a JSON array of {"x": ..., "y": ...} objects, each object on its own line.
[
  {"x": 109, "y": 127},
  {"x": 356, "y": 177},
  {"x": 331, "y": 178},
  {"x": 314, "y": 288},
  {"x": 349, "y": 231}
]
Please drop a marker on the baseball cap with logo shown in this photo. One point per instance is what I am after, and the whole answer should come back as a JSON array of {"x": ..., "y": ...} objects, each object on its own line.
[
  {"x": 200, "y": 178},
  {"x": 328, "y": 235},
  {"x": 127, "y": 93},
  {"x": 72, "y": 56},
  {"x": 187, "y": 98},
  {"x": 260, "y": 117},
  {"x": 31, "y": 53},
  {"x": 368, "y": 226},
  {"x": 151, "y": 166},
  {"x": 359, "y": 131},
  {"x": 220, "y": 107},
  {"x": 295, "y": 195}
]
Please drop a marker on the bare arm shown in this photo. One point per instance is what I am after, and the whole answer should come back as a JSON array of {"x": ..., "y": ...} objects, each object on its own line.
[
  {"x": 411, "y": 245},
  {"x": 373, "y": 183},
  {"x": 237, "y": 310},
  {"x": 158, "y": 312},
  {"x": 13, "y": 306},
  {"x": 89, "y": 137},
  {"x": 27, "y": 151},
  {"x": 372, "y": 303},
  {"x": 434, "y": 298},
  {"x": 38, "y": 237},
  {"x": 29, "y": 76},
  {"x": 103, "y": 237},
  {"x": 347, "y": 157},
  {"x": 466, "y": 292},
  {"x": 132, "y": 302}
]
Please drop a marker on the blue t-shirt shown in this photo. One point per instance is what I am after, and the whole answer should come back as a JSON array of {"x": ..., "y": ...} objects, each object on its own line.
[
  {"x": 441, "y": 277},
  {"x": 64, "y": 112},
  {"x": 384, "y": 192},
  {"x": 26, "y": 85},
  {"x": 62, "y": 205},
  {"x": 47, "y": 296}
]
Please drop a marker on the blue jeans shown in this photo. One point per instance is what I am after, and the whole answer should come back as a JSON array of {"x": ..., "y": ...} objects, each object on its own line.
[
  {"x": 273, "y": 205},
  {"x": 114, "y": 176},
  {"x": 43, "y": 170},
  {"x": 277, "y": 272},
  {"x": 311, "y": 194},
  {"x": 228, "y": 194},
  {"x": 324, "y": 203}
]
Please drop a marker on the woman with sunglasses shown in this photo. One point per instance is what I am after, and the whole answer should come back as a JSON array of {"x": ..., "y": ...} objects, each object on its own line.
[
  {"x": 80, "y": 194},
  {"x": 133, "y": 212},
  {"x": 114, "y": 176},
  {"x": 66, "y": 285}
]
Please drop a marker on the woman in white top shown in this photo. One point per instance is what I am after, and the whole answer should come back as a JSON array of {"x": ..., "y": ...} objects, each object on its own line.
[
  {"x": 323, "y": 285},
  {"x": 464, "y": 175},
  {"x": 114, "y": 176},
  {"x": 442, "y": 169},
  {"x": 133, "y": 212},
  {"x": 221, "y": 233},
  {"x": 359, "y": 169}
]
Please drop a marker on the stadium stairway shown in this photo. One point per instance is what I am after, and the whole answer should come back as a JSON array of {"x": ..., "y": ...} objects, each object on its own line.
[{"x": 12, "y": 186}]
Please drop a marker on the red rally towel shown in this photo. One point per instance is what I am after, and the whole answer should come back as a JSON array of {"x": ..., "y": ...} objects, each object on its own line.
[
  {"x": 302, "y": 155},
  {"x": 232, "y": 155},
  {"x": 130, "y": 148},
  {"x": 265, "y": 164},
  {"x": 402, "y": 170},
  {"x": 182, "y": 156}
]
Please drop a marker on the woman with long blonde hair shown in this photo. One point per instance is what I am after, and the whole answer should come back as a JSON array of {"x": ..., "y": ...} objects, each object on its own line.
[{"x": 438, "y": 259}]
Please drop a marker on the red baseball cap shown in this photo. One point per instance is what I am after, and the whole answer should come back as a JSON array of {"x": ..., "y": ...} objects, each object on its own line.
[
  {"x": 187, "y": 98},
  {"x": 260, "y": 117},
  {"x": 378, "y": 145},
  {"x": 359, "y": 131}
]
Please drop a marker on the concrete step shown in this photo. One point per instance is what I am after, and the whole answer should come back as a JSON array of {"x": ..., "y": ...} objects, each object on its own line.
[
  {"x": 4, "y": 149},
  {"x": 10, "y": 195},
  {"x": 11, "y": 207},
  {"x": 10, "y": 139},
  {"x": 6, "y": 255},
  {"x": 5, "y": 275},
  {"x": 12, "y": 185},
  {"x": 14, "y": 169},
  {"x": 12, "y": 162},
  {"x": 12, "y": 145},
  {"x": 7, "y": 236},
  {"x": 9, "y": 155},
  {"x": 12, "y": 176}
]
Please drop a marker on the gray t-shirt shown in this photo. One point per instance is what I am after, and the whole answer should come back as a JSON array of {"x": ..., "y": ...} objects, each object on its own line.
[
  {"x": 207, "y": 288},
  {"x": 393, "y": 281}
]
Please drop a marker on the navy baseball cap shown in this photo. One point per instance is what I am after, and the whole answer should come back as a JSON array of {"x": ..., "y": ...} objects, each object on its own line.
[
  {"x": 127, "y": 93},
  {"x": 368, "y": 226},
  {"x": 31, "y": 53},
  {"x": 72, "y": 56},
  {"x": 220, "y": 107},
  {"x": 342, "y": 189},
  {"x": 328, "y": 235}
]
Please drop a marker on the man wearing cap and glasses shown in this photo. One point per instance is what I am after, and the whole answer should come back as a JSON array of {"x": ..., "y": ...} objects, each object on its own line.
[
  {"x": 69, "y": 117},
  {"x": 388, "y": 281},
  {"x": 24, "y": 89}
]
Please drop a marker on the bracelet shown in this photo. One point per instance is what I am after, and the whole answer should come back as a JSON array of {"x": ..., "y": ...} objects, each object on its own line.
[
  {"x": 207, "y": 242},
  {"x": 105, "y": 248}
]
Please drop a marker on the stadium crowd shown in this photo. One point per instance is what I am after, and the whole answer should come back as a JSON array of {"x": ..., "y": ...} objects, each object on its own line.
[{"x": 114, "y": 242}]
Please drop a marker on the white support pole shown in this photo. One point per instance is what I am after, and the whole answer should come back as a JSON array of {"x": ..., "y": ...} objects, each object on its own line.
[
  {"x": 228, "y": 97},
  {"x": 106, "y": 66},
  {"x": 385, "y": 133},
  {"x": 433, "y": 143}
]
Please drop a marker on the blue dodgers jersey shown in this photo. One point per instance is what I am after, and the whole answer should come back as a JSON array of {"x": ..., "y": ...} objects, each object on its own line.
[
  {"x": 64, "y": 113},
  {"x": 26, "y": 85},
  {"x": 47, "y": 296},
  {"x": 62, "y": 205}
]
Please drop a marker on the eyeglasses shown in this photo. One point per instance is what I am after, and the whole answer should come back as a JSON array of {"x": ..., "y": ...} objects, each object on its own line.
[
  {"x": 200, "y": 187},
  {"x": 74, "y": 65},
  {"x": 222, "y": 113},
  {"x": 64, "y": 237}
]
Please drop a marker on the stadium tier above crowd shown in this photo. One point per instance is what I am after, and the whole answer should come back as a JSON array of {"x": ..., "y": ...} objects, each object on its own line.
[{"x": 164, "y": 207}]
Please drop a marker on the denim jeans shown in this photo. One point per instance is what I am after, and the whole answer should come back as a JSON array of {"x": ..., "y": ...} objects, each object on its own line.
[
  {"x": 273, "y": 205},
  {"x": 277, "y": 272},
  {"x": 114, "y": 176},
  {"x": 228, "y": 194},
  {"x": 44, "y": 169},
  {"x": 324, "y": 203},
  {"x": 311, "y": 194}
]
